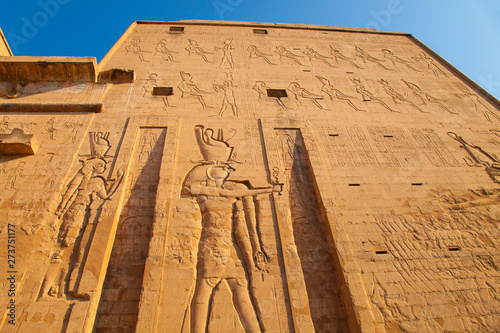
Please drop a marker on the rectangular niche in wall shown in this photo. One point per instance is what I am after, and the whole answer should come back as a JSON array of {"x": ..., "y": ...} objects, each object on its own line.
[
  {"x": 323, "y": 290},
  {"x": 119, "y": 305}
]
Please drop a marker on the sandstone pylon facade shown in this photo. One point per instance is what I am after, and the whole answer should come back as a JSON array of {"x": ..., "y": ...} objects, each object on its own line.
[{"x": 248, "y": 177}]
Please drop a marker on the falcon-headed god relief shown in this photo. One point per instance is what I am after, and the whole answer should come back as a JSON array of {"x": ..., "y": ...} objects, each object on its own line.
[{"x": 229, "y": 249}]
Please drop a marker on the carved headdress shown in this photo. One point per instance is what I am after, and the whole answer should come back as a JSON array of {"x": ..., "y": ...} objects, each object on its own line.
[{"x": 212, "y": 149}]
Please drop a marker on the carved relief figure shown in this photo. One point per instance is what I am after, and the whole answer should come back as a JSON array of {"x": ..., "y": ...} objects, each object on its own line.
[
  {"x": 479, "y": 157},
  {"x": 52, "y": 174},
  {"x": 74, "y": 126},
  {"x": 228, "y": 100},
  {"x": 467, "y": 94},
  {"x": 149, "y": 85},
  {"x": 303, "y": 94},
  {"x": 254, "y": 52},
  {"x": 334, "y": 93},
  {"x": 136, "y": 49},
  {"x": 229, "y": 249},
  {"x": 397, "y": 60},
  {"x": 422, "y": 57},
  {"x": 13, "y": 176},
  {"x": 425, "y": 97},
  {"x": 367, "y": 95},
  {"x": 261, "y": 88},
  {"x": 161, "y": 47},
  {"x": 194, "y": 48},
  {"x": 4, "y": 125},
  {"x": 360, "y": 53},
  {"x": 11, "y": 89},
  {"x": 85, "y": 186},
  {"x": 227, "y": 57},
  {"x": 146, "y": 145},
  {"x": 397, "y": 97},
  {"x": 188, "y": 88},
  {"x": 75, "y": 207},
  {"x": 339, "y": 56},
  {"x": 49, "y": 128},
  {"x": 313, "y": 55},
  {"x": 285, "y": 54}
]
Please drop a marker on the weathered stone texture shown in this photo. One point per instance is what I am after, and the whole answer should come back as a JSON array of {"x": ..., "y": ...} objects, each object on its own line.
[{"x": 216, "y": 178}]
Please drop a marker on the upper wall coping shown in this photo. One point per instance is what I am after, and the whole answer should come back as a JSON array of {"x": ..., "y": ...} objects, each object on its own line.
[
  {"x": 272, "y": 25},
  {"x": 26, "y": 68}
]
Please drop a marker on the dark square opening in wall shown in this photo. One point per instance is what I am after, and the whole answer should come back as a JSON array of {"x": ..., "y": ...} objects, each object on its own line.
[
  {"x": 260, "y": 31},
  {"x": 277, "y": 93},
  {"x": 163, "y": 91},
  {"x": 176, "y": 29}
]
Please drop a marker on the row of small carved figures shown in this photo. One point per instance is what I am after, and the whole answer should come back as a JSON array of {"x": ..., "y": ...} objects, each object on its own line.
[
  {"x": 333, "y": 59},
  {"x": 189, "y": 88}
]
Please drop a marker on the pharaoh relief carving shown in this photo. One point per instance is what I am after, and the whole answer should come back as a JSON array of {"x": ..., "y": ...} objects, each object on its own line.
[
  {"x": 229, "y": 250},
  {"x": 161, "y": 49},
  {"x": 334, "y": 93},
  {"x": 288, "y": 56},
  {"x": 255, "y": 53},
  {"x": 196, "y": 49},
  {"x": 431, "y": 65},
  {"x": 425, "y": 97},
  {"x": 316, "y": 56},
  {"x": 478, "y": 104},
  {"x": 389, "y": 55},
  {"x": 135, "y": 49},
  {"x": 190, "y": 89},
  {"x": 478, "y": 157},
  {"x": 302, "y": 94},
  {"x": 369, "y": 96},
  {"x": 261, "y": 88},
  {"x": 149, "y": 84},
  {"x": 339, "y": 57},
  {"x": 363, "y": 55},
  {"x": 397, "y": 97},
  {"x": 226, "y": 50},
  {"x": 81, "y": 204},
  {"x": 228, "y": 99}
]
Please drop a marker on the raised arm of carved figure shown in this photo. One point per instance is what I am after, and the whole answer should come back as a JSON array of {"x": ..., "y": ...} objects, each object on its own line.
[
  {"x": 238, "y": 192},
  {"x": 104, "y": 193}
]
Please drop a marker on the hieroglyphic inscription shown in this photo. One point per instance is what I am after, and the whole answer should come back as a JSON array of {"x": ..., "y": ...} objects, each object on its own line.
[
  {"x": 394, "y": 146},
  {"x": 327, "y": 312},
  {"x": 347, "y": 146},
  {"x": 251, "y": 131},
  {"x": 432, "y": 147}
]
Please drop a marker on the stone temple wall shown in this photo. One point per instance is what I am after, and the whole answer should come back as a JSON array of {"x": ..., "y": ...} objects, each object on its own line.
[{"x": 233, "y": 177}]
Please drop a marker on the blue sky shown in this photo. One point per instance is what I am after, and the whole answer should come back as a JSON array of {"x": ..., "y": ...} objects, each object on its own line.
[{"x": 464, "y": 32}]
